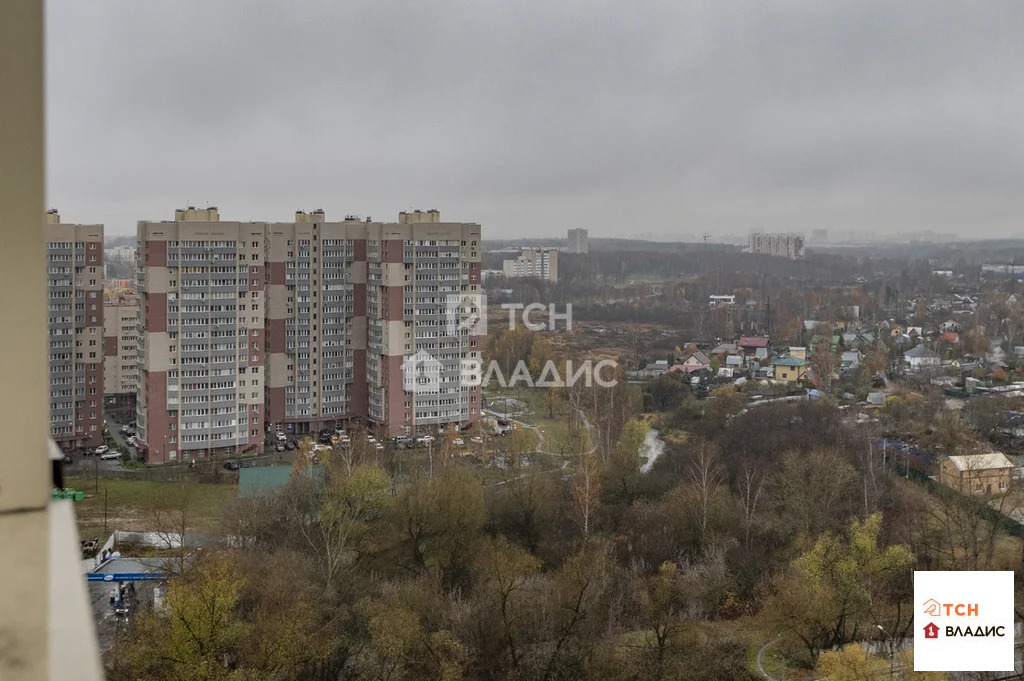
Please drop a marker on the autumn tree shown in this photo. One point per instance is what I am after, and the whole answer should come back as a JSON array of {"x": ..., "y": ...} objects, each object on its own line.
[
  {"x": 439, "y": 519},
  {"x": 843, "y": 586},
  {"x": 335, "y": 523}
]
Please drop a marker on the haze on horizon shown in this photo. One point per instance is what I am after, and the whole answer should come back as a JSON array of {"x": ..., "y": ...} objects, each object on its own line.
[{"x": 657, "y": 117}]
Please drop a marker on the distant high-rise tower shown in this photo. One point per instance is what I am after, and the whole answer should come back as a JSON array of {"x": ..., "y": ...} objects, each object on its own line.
[
  {"x": 75, "y": 291},
  {"x": 578, "y": 241},
  {"x": 777, "y": 244}
]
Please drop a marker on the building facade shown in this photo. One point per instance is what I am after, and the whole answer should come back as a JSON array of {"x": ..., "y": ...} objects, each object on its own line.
[
  {"x": 120, "y": 349},
  {"x": 423, "y": 278},
  {"x": 541, "y": 263},
  {"x": 201, "y": 348},
  {"x": 305, "y": 324},
  {"x": 777, "y": 244},
  {"x": 977, "y": 474},
  {"x": 578, "y": 241},
  {"x": 316, "y": 322},
  {"x": 75, "y": 299}
]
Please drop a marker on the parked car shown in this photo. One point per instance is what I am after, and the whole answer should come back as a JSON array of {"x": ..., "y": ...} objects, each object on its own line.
[
  {"x": 102, "y": 449},
  {"x": 458, "y": 442},
  {"x": 279, "y": 447},
  {"x": 110, "y": 455},
  {"x": 133, "y": 441},
  {"x": 424, "y": 440},
  {"x": 477, "y": 440},
  {"x": 378, "y": 445},
  {"x": 281, "y": 437},
  {"x": 68, "y": 459},
  {"x": 231, "y": 465},
  {"x": 290, "y": 445}
]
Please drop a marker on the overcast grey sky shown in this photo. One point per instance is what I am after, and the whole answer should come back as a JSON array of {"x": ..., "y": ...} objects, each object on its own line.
[{"x": 661, "y": 117}]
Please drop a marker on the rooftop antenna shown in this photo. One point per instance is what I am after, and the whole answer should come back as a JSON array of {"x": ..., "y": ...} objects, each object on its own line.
[{"x": 707, "y": 235}]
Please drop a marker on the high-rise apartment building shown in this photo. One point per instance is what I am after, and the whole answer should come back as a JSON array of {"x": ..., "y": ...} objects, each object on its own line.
[
  {"x": 304, "y": 324},
  {"x": 120, "y": 349},
  {"x": 541, "y": 263},
  {"x": 578, "y": 241},
  {"x": 316, "y": 322},
  {"x": 777, "y": 244},
  {"x": 201, "y": 348},
  {"x": 422, "y": 296},
  {"x": 75, "y": 292}
]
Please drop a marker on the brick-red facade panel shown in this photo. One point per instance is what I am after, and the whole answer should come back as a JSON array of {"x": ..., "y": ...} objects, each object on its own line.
[
  {"x": 276, "y": 273},
  {"x": 154, "y": 312},
  {"x": 276, "y": 339},
  {"x": 155, "y": 254}
]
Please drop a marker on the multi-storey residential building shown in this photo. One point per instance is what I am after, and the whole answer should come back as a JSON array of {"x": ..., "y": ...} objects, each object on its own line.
[
  {"x": 578, "y": 241},
  {"x": 316, "y": 322},
  {"x": 777, "y": 244},
  {"x": 422, "y": 281},
  {"x": 304, "y": 324},
  {"x": 541, "y": 263},
  {"x": 120, "y": 349},
  {"x": 201, "y": 346},
  {"x": 75, "y": 291}
]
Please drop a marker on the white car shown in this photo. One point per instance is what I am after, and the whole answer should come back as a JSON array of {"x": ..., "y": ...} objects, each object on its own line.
[
  {"x": 102, "y": 449},
  {"x": 378, "y": 445},
  {"x": 133, "y": 441},
  {"x": 476, "y": 439},
  {"x": 109, "y": 455},
  {"x": 458, "y": 442}
]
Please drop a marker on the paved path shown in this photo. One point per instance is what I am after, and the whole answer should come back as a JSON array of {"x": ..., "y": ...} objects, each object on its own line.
[{"x": 760, "y": 654}]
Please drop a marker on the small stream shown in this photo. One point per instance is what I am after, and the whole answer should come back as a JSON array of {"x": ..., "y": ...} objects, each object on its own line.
[{"x": 652, "y": 448}]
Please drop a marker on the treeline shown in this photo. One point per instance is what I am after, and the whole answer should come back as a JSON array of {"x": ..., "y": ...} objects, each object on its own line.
[{"x": 576, "y": 566}]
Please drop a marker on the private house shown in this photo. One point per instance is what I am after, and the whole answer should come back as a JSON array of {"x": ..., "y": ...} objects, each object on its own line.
[
  {"x": 949, "y": 325},
  {"x": 919, "y": 358},
  {"x": 754, "y": 346},
  {"x": 799, "y": 352},
  {"x": 723, "y": 350},
  {"x": 977, "y": 474},
  {"x": 949, "y": 337},
  {"x": 849, "y": 361},
  {"x": 697, "y": 360},
  {"x": 789, "y": 369}
]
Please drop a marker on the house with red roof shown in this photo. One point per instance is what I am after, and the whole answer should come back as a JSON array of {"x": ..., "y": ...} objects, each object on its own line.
[{"x": 755, "y": 346}]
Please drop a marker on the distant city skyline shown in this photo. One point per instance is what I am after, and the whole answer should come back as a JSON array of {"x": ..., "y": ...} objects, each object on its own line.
[{"x": 532, "y": 119}]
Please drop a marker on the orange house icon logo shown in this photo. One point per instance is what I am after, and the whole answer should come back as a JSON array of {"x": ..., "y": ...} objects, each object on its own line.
[
  {"x": 931, "y": 630},
  {"x": 932, "y": 607}
]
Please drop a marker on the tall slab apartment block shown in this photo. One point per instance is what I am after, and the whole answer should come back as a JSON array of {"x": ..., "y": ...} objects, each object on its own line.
[
  {"x": 316, "y": 323},
  {"x": 202, "y": 307},
  {"x": 414, "y": 268},
  {"x": 74, "y": 255}
]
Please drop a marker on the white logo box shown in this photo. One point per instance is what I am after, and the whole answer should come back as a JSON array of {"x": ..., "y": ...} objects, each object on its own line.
[{"x": 957, "y": 603}]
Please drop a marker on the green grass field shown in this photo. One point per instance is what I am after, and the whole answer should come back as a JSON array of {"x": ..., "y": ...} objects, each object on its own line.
[{"x": 129, "y": 504}]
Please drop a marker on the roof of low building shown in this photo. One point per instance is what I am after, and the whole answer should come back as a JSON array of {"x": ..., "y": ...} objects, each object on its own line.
[
  {"x": 753, "y": 341},
  {"x": 919, "y": 351},
  {"x": 981, "y": 462},
  {"x": 789, "y": 361}
]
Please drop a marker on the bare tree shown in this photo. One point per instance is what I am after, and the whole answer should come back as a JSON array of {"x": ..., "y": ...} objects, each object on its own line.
[
  {"x": 707, "y": 478},
  {"x": 586, "y": 490}
]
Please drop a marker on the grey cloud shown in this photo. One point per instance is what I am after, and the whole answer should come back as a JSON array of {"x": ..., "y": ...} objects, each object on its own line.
[{"x": 532, "y": 117}]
